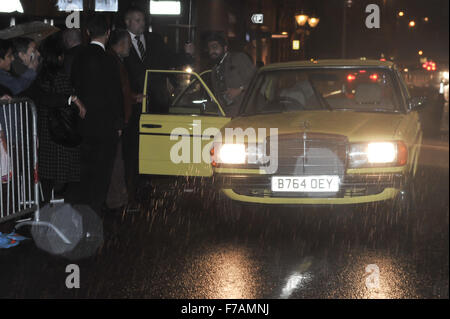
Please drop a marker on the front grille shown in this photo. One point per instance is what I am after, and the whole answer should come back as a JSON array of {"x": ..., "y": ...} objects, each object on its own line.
[
  {"x": 307, "y": 154},
  {"x": 311, "y": 154}
]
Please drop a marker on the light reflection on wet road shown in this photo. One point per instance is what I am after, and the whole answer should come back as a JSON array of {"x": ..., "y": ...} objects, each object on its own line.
[{"x": 183, "y": 250}]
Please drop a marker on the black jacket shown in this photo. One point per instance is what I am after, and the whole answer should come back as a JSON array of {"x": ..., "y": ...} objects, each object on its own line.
[
  {"x": 69, "y": 56},
  {"x": 4, "y": 90},
  {"x": 157, "y": 57},
  {"x": 96, "y": 80}
]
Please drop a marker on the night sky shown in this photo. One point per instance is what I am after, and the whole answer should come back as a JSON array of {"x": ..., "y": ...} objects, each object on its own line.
[{"x": 394, "y": 38}]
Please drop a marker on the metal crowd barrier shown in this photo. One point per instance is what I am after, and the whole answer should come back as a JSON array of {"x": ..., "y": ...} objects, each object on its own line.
[{"x": 19, "y": 187}]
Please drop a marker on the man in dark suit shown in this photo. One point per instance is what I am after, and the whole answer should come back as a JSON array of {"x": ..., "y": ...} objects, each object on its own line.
[
  {"x": 148, "y": 51},
  {"x": 73, "y": 45},
  {"x": 96, "y": 80}
]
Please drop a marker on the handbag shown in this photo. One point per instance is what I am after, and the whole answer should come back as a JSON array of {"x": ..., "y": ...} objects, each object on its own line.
[{"x": 62, "y": 125}]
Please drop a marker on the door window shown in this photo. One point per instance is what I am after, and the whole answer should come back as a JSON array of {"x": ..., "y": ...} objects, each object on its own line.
[
  {"x": 195, "y": 100},
  {"x": 180, "y": 93}
]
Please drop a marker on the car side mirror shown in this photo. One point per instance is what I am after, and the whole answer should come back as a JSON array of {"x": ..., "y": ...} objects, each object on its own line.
[{"x": 417, "y": 103}]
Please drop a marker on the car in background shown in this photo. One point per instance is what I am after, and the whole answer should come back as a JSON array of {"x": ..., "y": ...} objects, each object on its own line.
[{"x": 443, "y": 86}]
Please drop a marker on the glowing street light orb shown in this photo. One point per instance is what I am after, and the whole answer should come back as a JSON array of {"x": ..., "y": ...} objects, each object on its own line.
[
  {"x": 301, "y": 19},
  {"x": 412, "y": 24},
  {"x": 401, "y": 14},
  {"x": 420, "y": 52},
  {"x": 313, "y": 22}
]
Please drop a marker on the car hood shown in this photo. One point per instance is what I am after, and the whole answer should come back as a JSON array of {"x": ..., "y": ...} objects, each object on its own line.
[{"x": 357, "y": 126}]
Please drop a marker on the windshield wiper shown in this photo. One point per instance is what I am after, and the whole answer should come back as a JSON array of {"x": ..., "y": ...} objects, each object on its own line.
[
  {"x": 368, "y": 110},
  {"x": 322, "y": 100}
]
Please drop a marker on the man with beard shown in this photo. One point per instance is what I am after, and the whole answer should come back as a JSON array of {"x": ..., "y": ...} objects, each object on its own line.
[{"x": 231, "y": 74}]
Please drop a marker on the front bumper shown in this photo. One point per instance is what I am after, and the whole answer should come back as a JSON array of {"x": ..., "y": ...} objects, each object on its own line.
[{"x": 355, "y": 189}]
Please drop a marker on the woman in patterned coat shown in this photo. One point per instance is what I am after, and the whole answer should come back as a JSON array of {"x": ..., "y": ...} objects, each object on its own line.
[{"x": 58, "y": 165}]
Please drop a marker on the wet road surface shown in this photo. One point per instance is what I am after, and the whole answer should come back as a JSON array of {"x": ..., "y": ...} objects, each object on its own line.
[{"x": 181, "y": 247}]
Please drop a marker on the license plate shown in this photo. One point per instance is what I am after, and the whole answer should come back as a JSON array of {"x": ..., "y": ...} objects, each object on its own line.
[{"x": 322, "y": 183}]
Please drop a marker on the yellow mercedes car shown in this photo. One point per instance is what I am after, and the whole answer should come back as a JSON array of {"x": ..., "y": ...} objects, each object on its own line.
[{"x": 322, "y": 132}]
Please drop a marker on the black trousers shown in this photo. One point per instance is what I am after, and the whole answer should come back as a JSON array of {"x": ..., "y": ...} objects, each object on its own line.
[
  {"x": 131, "y": 153},
  {"x": 97, "y": 157}
]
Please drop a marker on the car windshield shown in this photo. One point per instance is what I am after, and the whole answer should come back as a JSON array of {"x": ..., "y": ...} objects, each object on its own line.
[{"x": 337, "y": 89}]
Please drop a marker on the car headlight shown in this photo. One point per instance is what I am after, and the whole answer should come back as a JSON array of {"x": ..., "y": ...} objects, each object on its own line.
[
  {"x": 232, "y": 154},
  {"x": 238, "y": 154},
  {"x": 377, "y": 154},
  {"x": 445, "y": 75}
]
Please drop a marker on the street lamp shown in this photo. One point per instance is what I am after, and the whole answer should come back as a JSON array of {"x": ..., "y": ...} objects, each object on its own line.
[
  {"x": 301, "y": 19},
  {"x": 313, "y": 22},
  {"x": 401, "y": 14},
  {"x": 412, "y": 24},
  {"x": 304, "y": 23},
  {"x": 420, "y": 52}
]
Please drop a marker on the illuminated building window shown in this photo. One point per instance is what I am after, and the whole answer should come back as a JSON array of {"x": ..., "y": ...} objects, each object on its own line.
[
  {"x": 165, "y": 7},
  {"x": 11, "y": 6},
  {"x": 70, "y": 5},
  {"x": 106, "y": 5}
]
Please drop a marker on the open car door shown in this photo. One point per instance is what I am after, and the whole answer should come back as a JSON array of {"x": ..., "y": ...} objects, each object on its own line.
[{"x": 180, "y": 117}]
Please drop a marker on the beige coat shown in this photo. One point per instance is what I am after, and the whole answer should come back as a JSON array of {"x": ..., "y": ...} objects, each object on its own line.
[{"x": 239, "y": 71}]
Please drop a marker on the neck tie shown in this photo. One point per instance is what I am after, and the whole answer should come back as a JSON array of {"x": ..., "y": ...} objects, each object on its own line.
[{"x": 140, "y": 47}]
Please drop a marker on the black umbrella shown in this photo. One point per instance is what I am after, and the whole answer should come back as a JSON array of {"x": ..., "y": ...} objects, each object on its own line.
[
  {"x": 35, "y": 30},
  {"x": 79, "y": 224}
]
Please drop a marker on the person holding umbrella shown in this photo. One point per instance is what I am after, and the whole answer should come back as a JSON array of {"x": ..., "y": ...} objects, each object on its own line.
[
  {"x": 26, "y": 56},
  {"x": 14, "y": 85}
]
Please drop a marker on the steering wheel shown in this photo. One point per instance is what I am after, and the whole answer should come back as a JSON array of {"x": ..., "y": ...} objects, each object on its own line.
[{"x": 283, "y": 100}]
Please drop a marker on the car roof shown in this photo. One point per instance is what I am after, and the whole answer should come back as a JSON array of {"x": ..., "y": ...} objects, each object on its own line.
[{"x": 330, "y": 63}]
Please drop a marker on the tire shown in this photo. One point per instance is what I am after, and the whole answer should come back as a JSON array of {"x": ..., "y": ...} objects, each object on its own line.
[
  {"x": 232, "y": 211},
  {"x": 228, "y": 210},
  {"x": 401, "y": 211}
]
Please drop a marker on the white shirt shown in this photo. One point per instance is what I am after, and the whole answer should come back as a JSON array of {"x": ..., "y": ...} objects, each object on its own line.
[
  {"x": 99, "y": 43},
  {"x": 134, "y": 41}
]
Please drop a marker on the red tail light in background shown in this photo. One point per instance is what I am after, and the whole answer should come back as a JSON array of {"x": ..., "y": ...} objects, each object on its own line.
[
  {"x": 429, "y": 66},
  {"x": 351, "y": 77},
  {"x": 374, "y": 77}
]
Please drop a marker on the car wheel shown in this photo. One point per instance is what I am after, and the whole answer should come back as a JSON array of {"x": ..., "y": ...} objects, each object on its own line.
[
  {"x": 402, "y": 208},
  {"x": 229, "y": 210}
]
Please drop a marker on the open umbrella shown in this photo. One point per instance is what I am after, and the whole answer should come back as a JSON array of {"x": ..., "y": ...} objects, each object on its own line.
[
  {"x": 79, "y": 224},
  {"x": 35, "y": 30}
]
